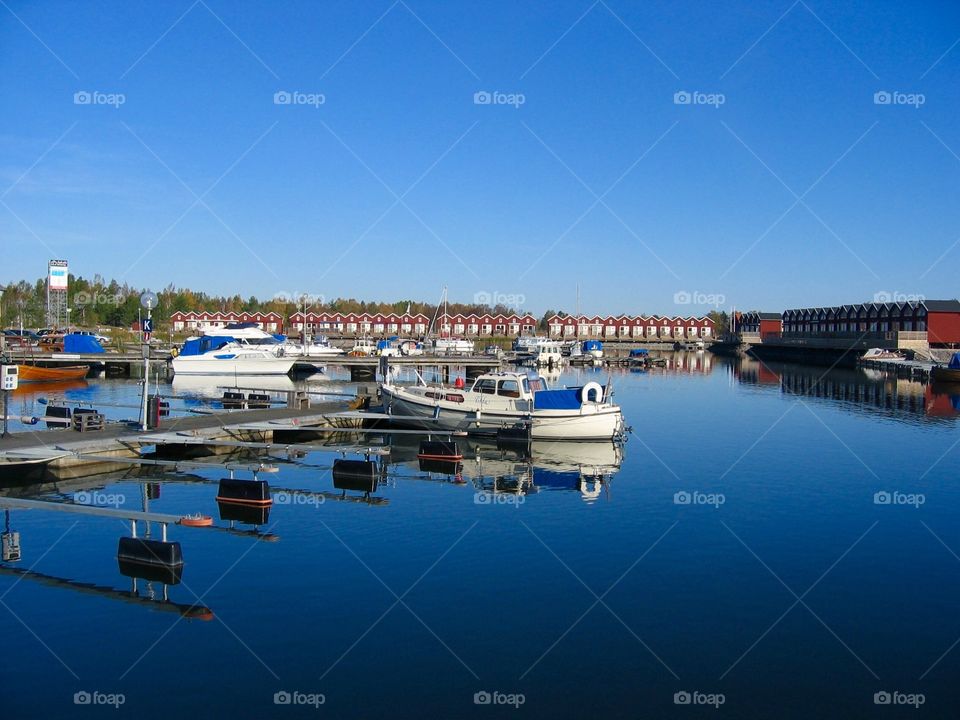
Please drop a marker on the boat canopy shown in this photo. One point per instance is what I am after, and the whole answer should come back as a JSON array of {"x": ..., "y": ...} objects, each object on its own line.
[
  {"x": 954, "y": 362},
  {"x": 556, "y": 400},
  {"x": 201, "y": 345},
  {"x": 74, "y": 343},
  {"x": 639, "y": 352},
  {"x": 589, "y": 345}
]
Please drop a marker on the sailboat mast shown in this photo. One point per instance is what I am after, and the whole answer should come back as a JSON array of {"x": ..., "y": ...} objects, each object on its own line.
[{"x": 444, "y": 323}]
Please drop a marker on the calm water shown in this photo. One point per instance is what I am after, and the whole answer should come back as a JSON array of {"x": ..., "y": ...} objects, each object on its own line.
[{"x": 736, "y": 550}]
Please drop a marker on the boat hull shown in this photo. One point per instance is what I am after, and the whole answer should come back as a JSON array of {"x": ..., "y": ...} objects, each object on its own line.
[
  {"x": 945, "y": 375},
  {"x": 590, "y": 422},
  {"x": 33, "y": 373},
  {"x": 199, "y": 365}
]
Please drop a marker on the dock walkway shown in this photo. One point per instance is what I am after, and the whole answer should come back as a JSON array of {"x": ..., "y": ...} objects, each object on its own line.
[{"x": 67, "y": 453}]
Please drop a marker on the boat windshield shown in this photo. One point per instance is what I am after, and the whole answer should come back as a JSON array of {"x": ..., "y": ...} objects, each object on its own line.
[
  {"x": 486, "y": 386},
  {"x": 509, "y": 388}
]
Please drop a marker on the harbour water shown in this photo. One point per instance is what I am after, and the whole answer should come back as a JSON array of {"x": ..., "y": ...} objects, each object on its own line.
[{"x": 772, "y": 541}]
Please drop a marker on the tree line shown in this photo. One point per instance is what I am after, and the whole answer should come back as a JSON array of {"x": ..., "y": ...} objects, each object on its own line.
[{"x": 96, "y": 303}]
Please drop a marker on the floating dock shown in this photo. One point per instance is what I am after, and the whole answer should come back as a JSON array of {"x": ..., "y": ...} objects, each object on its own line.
[{"x": 63, "y": 454}]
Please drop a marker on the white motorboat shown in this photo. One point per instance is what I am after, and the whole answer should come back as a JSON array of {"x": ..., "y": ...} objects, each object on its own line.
[
  {"x": 882, "y": 354},
  {"x": 594, "y": 348},
  {"x": 452, "y": 346},
  {"x": 507, "y": 400},
  {"x": 237, "y": 351},
  {"x": 397, "y": 347},
  {"x": 549, "y": 353},
  {"x": 528, "y": 344},
  {"x": 318, "y": 347},
  {"x": 363, "y": 346}
]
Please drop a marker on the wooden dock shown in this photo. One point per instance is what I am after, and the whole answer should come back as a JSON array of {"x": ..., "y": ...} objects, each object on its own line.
[
  {"x": 64, "y": 454},
  {"x": 911, "y": 369},
  {"x": 130, "y": 364}
]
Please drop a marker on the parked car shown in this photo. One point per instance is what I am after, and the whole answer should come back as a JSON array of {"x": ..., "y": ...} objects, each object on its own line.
[
  {"x": 19, "y": 338},
  {"x": 102, "y": 339}
]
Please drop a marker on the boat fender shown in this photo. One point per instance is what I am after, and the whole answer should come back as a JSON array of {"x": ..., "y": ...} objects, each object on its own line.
[
  {"x": 591, "y": 387},
  {"x": 458, "y": 383}
]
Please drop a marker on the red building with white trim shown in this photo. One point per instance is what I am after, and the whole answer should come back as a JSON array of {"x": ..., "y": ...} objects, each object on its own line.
[
  {"x": 625, "y": 327},
  {"x": 378, "y": 324},
  {"x": 204, "y": 321}
]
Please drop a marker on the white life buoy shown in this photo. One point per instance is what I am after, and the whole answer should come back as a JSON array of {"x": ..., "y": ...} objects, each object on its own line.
[{"x": 591, "y": 387}]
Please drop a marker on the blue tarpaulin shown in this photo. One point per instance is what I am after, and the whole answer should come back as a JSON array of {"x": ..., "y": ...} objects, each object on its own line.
[
  {"x": 74, "y": 343},
  {"x": 557, "y": 399},
  {"x": 639, "y": 352},
  {"x": 201, "y": 345},
  {"x": 590, "y": 345},
  {"x": 954, "y": 362}
]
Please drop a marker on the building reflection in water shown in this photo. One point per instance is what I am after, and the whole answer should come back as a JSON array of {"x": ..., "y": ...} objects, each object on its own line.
[{"x": 868, "y": 390}]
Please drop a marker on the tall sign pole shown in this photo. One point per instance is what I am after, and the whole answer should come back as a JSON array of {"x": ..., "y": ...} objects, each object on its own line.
[{"x": 148, "y": 300}]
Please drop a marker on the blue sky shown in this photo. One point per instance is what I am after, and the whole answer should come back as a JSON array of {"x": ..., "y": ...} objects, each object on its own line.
[{"x": 782, "y": 183}]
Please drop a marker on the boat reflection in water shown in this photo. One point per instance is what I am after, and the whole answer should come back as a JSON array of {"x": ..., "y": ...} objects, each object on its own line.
[
  {"x": 517, "y": 468},
  {"x": 212, "y": 387},
  {"x": 853, "y": 389}
]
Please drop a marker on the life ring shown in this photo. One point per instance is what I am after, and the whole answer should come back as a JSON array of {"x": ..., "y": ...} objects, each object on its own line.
[{"x": 587, "y": 389}]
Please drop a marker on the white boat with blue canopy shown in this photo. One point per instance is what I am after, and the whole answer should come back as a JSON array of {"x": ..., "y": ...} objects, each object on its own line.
[
  {"x": 593, "y": 347},
  {"x": 505, "y": 400},
  {"x": 238, "y": 350}
]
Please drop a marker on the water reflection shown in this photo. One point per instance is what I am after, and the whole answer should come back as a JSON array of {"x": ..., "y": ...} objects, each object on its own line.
[
  {"x": 521, "y": 468},
  {"x": 149, "y": 584},
  {"x": 853, "y": 389}
]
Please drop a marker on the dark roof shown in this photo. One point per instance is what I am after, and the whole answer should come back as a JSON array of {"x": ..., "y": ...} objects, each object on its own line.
[
  {"x": 769, "y": 316},
  {"x": 942, "y": 305}
]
